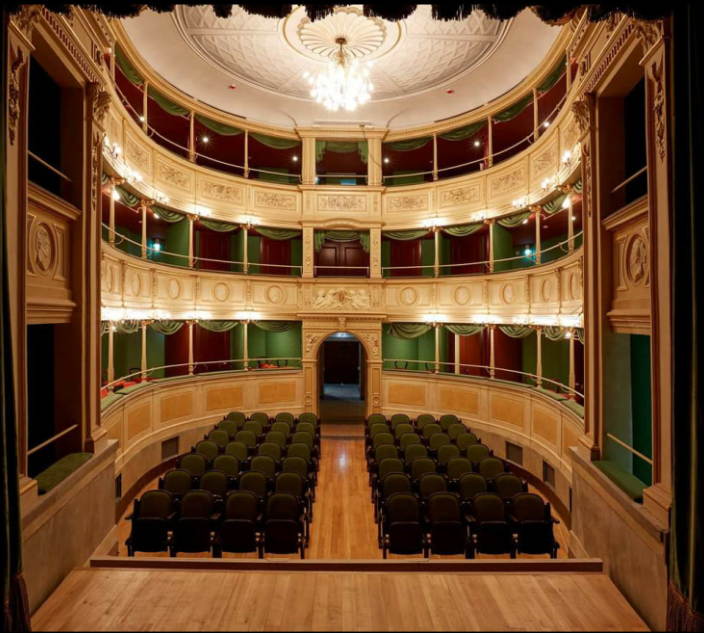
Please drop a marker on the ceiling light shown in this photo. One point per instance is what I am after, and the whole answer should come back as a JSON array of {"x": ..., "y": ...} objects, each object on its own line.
[{"x": 344, "y": 83}]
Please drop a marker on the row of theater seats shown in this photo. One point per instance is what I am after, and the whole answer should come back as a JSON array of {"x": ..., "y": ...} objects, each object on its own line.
[
  {"x": 437, "y": 489},
  {"x": 248, "y": 485}
]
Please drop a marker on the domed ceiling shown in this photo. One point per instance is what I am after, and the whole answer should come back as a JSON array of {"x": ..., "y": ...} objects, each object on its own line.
[{"x": 422, "y": 69}]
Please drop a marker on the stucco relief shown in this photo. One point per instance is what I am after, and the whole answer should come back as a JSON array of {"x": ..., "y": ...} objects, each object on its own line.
[
  {"x": 462, "y": 295},
  {"x": 635, "y": 262},
  {"x": 219, "y": 191},
  {"x": 275, "y": 294},
  {"x": 221, "y": 292},
  {"x": 43, "y": 249},
  {"x": 333, "y": 202},
  {"x": 414, "y": 202},
  {"x": 502, "y": 184},
  {"x": 173, "y": 288},
  {"x": 467, "y": 194},
  {"x": 408, "y": 296},
  {"x": 274, "y": 200},
  {"x": 138, "y": 155},
  {"x": 171, "y": 175},
  {"x": 507, "y": 293},
  {"x": 340, "y": 298}
]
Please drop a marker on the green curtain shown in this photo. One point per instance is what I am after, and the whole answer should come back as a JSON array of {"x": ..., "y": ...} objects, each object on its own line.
[
  {"x": 461, "y": 230},
  {"x": 166, "y": 104},
  {"x": 218, "y": 326},
  {"x": 127, "y": 327},
  {"x": 275, "y": 142},
  {"x": 686, "y": 535},
  {"x": 104, "y": 327},
  {"x": 166, "y": 327},
  {"x": 407, "y": 235},
  {"x": 462, "y": 133},
  {"x": 516, "y": 331},
  {"x": 554, "y": 205},
  {"x": 104, "y": 178},
  {"x": 276, "y": 326},
  {"x": 554, "y": 75},
  {"x": 408, "y": 330},
  {"x": 578, "y": 186},
  {"x": 579, "y": 334},
  {"x": 219, "y": 226},
  {"x": 341, "y": 147},
  {"x": 217, "y": 127},
  {"x": 553, "y": 333},
  {"x": 278, "y": 234},
  {"x": 167, "y": 215},
  {"x": 128, "y": 70},
  {"x": 513, "y": 111},
  {"x": 464, "y": 329},
  {"x": 319, "y": 238},
  {"x": 127, "y": 197},
  {"x": 408, "y": 145},
  {"x": 513, "y": 220},
  {"x": 15, "y": 608}
]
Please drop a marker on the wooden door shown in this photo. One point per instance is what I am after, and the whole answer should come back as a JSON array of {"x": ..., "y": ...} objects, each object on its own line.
[{"x": 333, "y": 255}]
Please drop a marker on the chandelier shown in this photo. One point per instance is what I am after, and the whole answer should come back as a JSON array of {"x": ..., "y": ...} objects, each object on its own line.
[{"x": 344, "y": 83}]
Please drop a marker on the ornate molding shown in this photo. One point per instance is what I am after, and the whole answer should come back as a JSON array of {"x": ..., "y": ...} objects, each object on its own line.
[
  {"x": 26, "y": 18},
  {"x": 341, "y": 298},
  {"x": 655, "y": 72},
  {"x": 582, "y": 115},
  {"x": 99, "y": 101},
  {"x": 15, "y": 91},
  {"x": 648, "y": 32},
  {"x": 607, "y": 59}
]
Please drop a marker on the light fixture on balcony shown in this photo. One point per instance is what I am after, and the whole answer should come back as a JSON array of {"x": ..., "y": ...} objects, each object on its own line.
[{"x": 345, "y": 82}]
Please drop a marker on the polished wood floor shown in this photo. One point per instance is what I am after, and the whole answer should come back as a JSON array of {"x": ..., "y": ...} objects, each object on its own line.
[
  {"x": 343, "y": 520},
  {"x": 171, "y": 600}
]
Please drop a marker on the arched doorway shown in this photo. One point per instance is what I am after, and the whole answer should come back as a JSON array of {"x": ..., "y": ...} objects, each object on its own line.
[{"x": 342, "y": 379}]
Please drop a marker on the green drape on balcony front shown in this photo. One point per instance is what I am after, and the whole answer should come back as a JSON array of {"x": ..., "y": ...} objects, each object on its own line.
[
  {"x": 166, "y": 104},
  {"x": 513, "y": 220},
  {"x": 408, "y": 145},
  {"x": 406, "y": 235},
  {"x": 278, "y": 234},
  {"x": 168, "y": 215},
  {"x": 514, "y": 110},
  {"x": 408, "y": 330},
  {"x": 463, "y": 133},
  {"x": 276, "y": 326},
  {"x": 553, "y": 332},
  {"x": 462, "y": 230},
  {"x": 464, "y": 329},
  {"x": 128, "y": 70},
  {"x": 217, "y": 127},
  {"x": 275, "y": 142},
  {"x": 167, "y": 327},
  {"x": 341, "y": 147},
  {"x": 319, "y": 238},
  {"x": 127, "y": 327},
  {"x": 218, "y": 225},
  {"x": 516, "y": 331},
  {"x": 127, "y": 197},
  {"x": 218, "y": 326},
  {"x": 554, "y": 75}
]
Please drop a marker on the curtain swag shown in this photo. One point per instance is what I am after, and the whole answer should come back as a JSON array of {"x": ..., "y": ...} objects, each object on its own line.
[
  {"x": 219, "y": 226},
  {"x": 579, "y": 334},
  {"x": 319, "y": 238},
  {"x": 408, "y": 145},
  {"x": 342, "y": 147},
  {"x": 408, "y": 330},
  {"x": 461, "y": 230},
  {"x": 464, "y": 329},
  {"x": 554, "y": 75},
  {"x": 516, "y": 331},
  {"x": 513, "y": 111},
  {"x": 553, "y": 333},
  {"x": 167, "y": 215},
  {"x": 166, "y": 327},
  {"x": 165, "y": 104},
  {"x": 274, "y": 142},
  {"x": 104, "y": 327},
  {"x": 128, "y": 70},
  {"x": 410, "y": 234},
  {"x": 127, "y": 327},
  {"x": 278, "y": 234},
  {"x": 513, "y": 220},
  {"x": 578, "y": 186},
  {"x": 276, "y": 326},
  {"x": 554, "y": 205},
  {"x": 462, "y": 133},
  {"x": 217, "y": 127},
  {"x": 218, "y": 326},
  {"x": 127, "y": 197}
]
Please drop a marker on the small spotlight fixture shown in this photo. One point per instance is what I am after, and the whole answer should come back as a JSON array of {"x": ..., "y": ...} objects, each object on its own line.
[
  {"x": 294, "y": 158},
  {"x": 141, "y": 118},
  {"x": 525, "y": 221},
  {"x": 527, "y": 252},
  {"x": 477, "y": 143},
  {"x": 115, "y": 195},
  {"x": 546, "y": 123},
  {"x": 386, "y": 160},
  {"x": 205, "y": 139}
]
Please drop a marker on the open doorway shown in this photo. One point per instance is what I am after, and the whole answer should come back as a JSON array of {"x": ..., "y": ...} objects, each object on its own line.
[{"x": 341, "y": 366}]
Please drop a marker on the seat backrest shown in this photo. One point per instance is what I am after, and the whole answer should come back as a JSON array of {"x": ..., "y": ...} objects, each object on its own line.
[
  {"x": 477, "y": 452},
  {"x": 214, "y": 481},
  {"x": 378, "y": 428},
  {"x": 227, "y": 464},
  {"x": 261, "y": 417},
  {"x": 399, "y": 418},
  {"x": 491, "y": 467},
  {"x": 264, "y": 465},
  {"x": 443, "y": 506},
  {"x": 229, "y": 426},
  {"x": 270, "y": 450},
  {"x": 155, "y": 504},
  {"x": 458, "y": 466},
  {"x": 309, "y": 418},
  {"x": 237, "y": 417},
  {"x": 296, "y": 465},
  {"x": 437, "y": 440},
  {"x": 455, "y": 430},
  {"x": 298, "y": 450},
  {"x": 301, "y": 437},
  {"x": 395, "y": 482},
  {"x": 401, "y": 429},
  {"x": 237, "y": 449},
  {"x": 178, "y": 481},
  {"x": 276, "y": 437},
  {"x": 402, "y": 506},
  {"x": 489, "y": 507},
  {"x": 421, "y": 466},
  {"x": 207, "y": 449},
  {"x": 376, "y": 418},
  {"x": 281, "y": 427},
  {"x": 415, "y": 451},
  {"x": 282, "y": 506},
  {"x": 389, "y": 465},
  {"x": 408, "y": 439},
  {"x": 430, "y": 429},
  {"x": 430, "y": 483},
  {"x": 220, "y": 436},
  {"x": 384, "y": 452},
  {"x": 242, "y": 504},
  {"x": 248, "y": 438},
  {"x": 290, "y": 483},
  {"x": 465, "y": 440},
  {"x": 423, "y": 419},
  {"x": 256, "y": 427},
  {"x": 471, "y": 484},
  {"x": 285, "y": 417},
  {"x": 381, "y": 439},
  {"x": 255, "y": 482},
  {"x": 446, "y": 453},
  {"x": 305, "y": 427},
  {"x": 507, "y": 485},
  {"x": 194, "y": 463},
  {"x": 528, "y": 506},
  {"x": 448, "y": 419},
  {"x": 197, "y": 504}
]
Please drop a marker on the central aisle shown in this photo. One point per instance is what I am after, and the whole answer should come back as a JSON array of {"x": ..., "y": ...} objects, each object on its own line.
[{"x": 343, "y": 523}]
